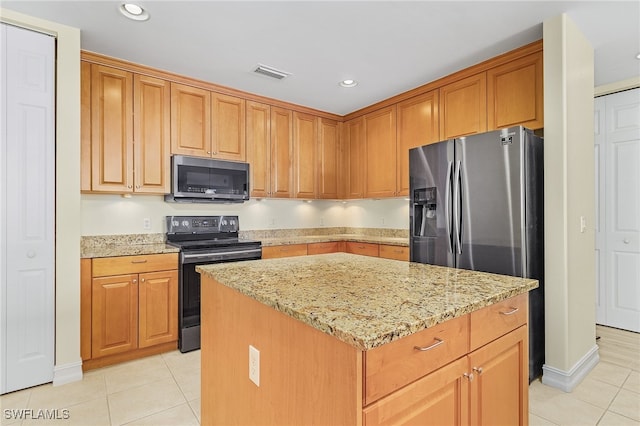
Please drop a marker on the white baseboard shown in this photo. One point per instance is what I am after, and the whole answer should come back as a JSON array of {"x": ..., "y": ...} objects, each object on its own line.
[
  {"x": 67, "y": 373},
  {"x": 568, "y": 380}
]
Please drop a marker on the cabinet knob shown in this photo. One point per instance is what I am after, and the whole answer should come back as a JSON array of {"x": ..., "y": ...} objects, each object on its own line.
[
  {"x": 129, "y": 186},
  {"x": 135, "y": 281},
  {"x": 468, "y": 376},
  {"x": 478, "y": 370},
  {"x": 143, "y": 281},
  {"x": 209, "y": 152},
  {"x": 626, "y": 241}
]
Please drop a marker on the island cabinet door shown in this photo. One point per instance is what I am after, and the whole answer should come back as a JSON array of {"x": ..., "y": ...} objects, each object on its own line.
[
  {"x": 500, "y": 383},
  {"x": 440, "y": 398}
]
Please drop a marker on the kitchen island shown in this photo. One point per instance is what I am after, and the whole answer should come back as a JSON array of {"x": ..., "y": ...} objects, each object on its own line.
[{"x": 349, "y": 340}]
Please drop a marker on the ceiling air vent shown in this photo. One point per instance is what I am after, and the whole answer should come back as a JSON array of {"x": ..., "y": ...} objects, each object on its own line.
[{"x": 271, "y": 72}]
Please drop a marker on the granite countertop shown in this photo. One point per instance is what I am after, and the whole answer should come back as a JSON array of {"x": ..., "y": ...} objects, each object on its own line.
[
  {"x": 306, "y": 239},
  {"x": 112, "y": 250},
  {"x": 365, "y": 301}
]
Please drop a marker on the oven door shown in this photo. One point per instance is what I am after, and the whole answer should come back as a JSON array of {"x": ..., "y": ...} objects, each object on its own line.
[{"x": 189, "y": 287}]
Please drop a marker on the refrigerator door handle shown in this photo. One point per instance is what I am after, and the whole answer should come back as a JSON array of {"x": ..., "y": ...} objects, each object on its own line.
[
  {"x": 448, "y": 214},
  {"x": 457, "y": 198}
]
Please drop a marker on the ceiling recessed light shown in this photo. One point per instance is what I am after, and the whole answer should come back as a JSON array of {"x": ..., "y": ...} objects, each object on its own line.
[
  {"x": 348, "y": 83},
  {"x": 133, "y": 11}
]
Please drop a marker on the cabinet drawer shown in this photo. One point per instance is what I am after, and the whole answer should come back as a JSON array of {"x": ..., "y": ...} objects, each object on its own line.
[
  {"x": 320, "y": 248},
  {"x": 365, "y": 249},
  {"x": 105, "y": 266},
  {"x": 273, "y": 252},
  {"x": 396, "y": 364},
  {"x": 394, "y": 252},
  {"x": 496, "y": 320}
]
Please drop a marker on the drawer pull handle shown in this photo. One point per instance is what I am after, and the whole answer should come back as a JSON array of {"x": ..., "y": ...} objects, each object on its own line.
[
  {"x": 426, "y": 348},
  {"x": 139, "y": 261},
  {"x": 511, "y": 312}
]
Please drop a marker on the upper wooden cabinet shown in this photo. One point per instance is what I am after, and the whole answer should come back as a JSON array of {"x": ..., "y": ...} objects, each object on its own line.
[
  {"x": 354, "y": 151},
  {"x": 125, "y": 131},
  {"x": 515, "y": 94},
  {"x": 281, "y": 152},
  {"x": 152, "y": 135},
  {"x": 417, "y": 125},
  {"x": 259, "y": 148},
  {"x": 380, "y": 165},
  {"x": 190, "y": 120},
  {"x": 207, "y": 124},
  {"x": 305, "y": 143},
  {"x": 463, "y": 107},
  {"x": 228, "y": 131},
  {"x": 111, "y": 130},
  {"x": 329, "y": 154}
]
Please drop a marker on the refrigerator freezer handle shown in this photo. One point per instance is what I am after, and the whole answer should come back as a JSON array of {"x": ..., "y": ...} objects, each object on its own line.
[
  {"x": 448, "y": 213},
  {"x": 457, "y": 198}
]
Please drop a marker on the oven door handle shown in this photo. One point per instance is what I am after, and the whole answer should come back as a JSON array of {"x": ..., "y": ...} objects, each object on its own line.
[{"x": 186, "y": 256}]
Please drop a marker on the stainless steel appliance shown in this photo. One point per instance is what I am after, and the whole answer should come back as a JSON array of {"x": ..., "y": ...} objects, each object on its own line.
[
  {"x": 203, "y": 240},
  {"x": 205, "y": 180},
  {"x": 477, "y": 203}
]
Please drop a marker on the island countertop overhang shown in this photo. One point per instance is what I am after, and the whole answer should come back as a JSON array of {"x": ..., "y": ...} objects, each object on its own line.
[{"x": 365, "y": 301}]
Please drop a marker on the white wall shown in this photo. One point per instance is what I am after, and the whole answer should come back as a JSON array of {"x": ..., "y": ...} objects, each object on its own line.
[
  {"x": 569, "y": 195},
  {"x": 114, "y": 214},
  {"x": 68, "y": 362}
]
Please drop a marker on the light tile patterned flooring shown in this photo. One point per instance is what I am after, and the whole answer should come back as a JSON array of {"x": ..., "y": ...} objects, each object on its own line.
[{"x": 165, "y": 390}]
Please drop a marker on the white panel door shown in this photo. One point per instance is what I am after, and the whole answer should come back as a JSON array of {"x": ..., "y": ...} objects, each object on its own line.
[
  {"x": 622, "y": 210},
  {"x": 600, "y": 226},
  {"x": 28, "y": 188}
]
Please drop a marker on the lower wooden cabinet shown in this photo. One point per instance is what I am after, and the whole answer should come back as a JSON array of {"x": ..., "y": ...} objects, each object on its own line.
[
  {"x": 486, "y": 386},
  {"x": 274, "y": 252},
  {"x": 129, "y": 307},
  {"x": 394, "y": 252},
  {"x": 322, "y": 248},
  {"x": 364, "y": 249}
]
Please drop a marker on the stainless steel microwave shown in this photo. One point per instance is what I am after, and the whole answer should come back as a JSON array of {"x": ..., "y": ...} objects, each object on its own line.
[{"x": 205, "y": 180}]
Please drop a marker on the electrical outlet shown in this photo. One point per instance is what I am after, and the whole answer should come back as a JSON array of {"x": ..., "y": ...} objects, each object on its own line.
[
  {"x": 254, "y": 365},
  {"x": 146, "y": 223}
]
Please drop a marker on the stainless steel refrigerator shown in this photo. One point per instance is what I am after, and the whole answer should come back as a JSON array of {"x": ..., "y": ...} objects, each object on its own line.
[{"x": 477, "y": 203}]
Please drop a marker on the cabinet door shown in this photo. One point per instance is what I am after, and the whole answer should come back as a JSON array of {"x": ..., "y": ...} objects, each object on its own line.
[
  {"x": 354, "y": 135},
  {"x": 85, "y": 126},
  {"x": 328, "y": 159},
  {"x": 228, "y": 133},
  {"x": 290, "y": 250},
  {"x": 111, "y": 129},
  {"x": 190, "y": 120},
  {"x": 515, "y": 94},
  {"x": 380, "y": 166},
  {"x": 259, "y": 148},
  {"x": 499, "y": 389},
  {"x": 321, "y": 248},
  {"x": 114, "y": 315},
  {"x": 418, "y": 125},
  {"x": 364, "y": 249},
  {"x": 158, "y": 308},
  {"x": 305, "y": 143},
  {"x": 281, "y": 152},
  {"x": 152, "y": 109},
  {"x": 463, "y": 107},
  {"x": 394, "y": 252},
  {"x": 440, "y": 398}
]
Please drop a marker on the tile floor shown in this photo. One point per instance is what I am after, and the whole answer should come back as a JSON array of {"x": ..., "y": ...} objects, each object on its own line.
[{"x": 165, "y": 390}]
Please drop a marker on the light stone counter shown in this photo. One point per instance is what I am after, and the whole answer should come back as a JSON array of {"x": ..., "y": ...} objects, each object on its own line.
[
  {"x": 359, "y": 238},
  {"x": 365, "y": 301}
]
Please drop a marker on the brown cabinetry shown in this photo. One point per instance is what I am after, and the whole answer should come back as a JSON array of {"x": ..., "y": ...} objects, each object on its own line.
[
  {"x": 394, "y": 252},
  {"x": 380, "y": 165},
  {"x": 129, "y": 307},
  {"x": 364, "y": 249},
  {"x": 289, "y": 250},
  {"x": 515, "y": 93},
  {"x": 207, "y": 124},
  {"x": 125, "y": 131},
  {"x": 354, "y": 143},
  {"x": 258, "y": 133},
  {"x": 463, "y": 107},
  {"x": 417, "y": 125},
  {"x": 329, "y": 159},
  {"x": 281, "y": 152},
  {"x": 322, "y": 248},
  {"x": 305, "y": 143}
]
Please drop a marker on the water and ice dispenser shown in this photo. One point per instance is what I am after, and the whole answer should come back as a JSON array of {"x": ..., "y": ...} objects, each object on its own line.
[{"x": 424, "y": 212}]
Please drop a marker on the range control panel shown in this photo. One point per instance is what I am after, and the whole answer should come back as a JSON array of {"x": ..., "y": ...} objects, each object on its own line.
[{"x": 202, "y": 224}]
